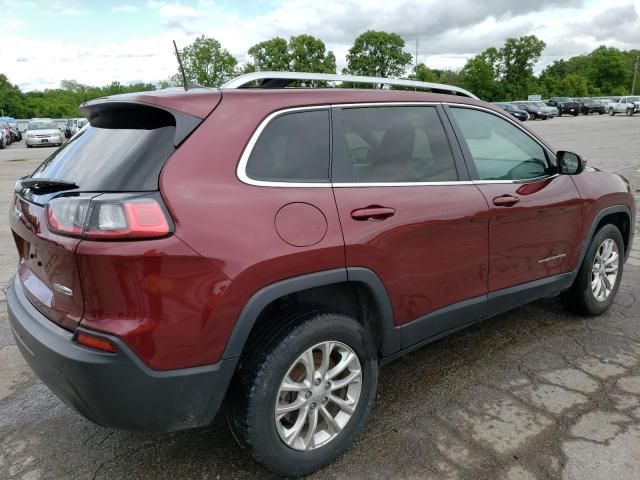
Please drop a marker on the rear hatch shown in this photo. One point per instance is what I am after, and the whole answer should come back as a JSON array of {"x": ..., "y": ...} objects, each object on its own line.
[{"x": 122, "y": 150}]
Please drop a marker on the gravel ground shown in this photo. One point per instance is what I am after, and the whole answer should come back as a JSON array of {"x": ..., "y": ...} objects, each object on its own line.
[{"x": 535, "y": 393}]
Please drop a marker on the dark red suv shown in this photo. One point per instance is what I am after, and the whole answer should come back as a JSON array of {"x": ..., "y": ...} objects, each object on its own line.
[{"x": 270, "y": 247}]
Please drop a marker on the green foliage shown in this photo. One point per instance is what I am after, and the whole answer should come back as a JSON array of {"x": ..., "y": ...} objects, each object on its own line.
[
  {"x": 303, "y": 53},
  {"x": 574, "y": 85},
  {"x": 206, "y": 63},
  {"x": 515, "y": 62},
  {"x": 479, "y": 75},
  {"x": 377, "y": 54}
]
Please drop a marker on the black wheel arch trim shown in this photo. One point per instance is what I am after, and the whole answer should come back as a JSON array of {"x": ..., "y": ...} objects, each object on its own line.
[
  {"x": 262, "y": 298},
  {"x": 596, "y": 221}
]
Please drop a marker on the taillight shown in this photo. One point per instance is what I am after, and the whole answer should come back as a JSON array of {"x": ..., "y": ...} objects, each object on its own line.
[{"x": 109, "y": 216}]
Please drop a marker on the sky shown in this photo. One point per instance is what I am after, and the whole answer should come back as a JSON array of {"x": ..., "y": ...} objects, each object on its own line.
[{"x": 43, "y": 42}]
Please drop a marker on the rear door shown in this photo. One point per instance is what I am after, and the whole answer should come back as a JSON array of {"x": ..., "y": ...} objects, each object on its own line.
[
  {"x": 536, "y": 221},
  {"x": 409, "y": 213}
]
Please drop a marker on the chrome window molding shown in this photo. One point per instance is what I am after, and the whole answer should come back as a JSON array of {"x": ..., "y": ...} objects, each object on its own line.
[{"x": 241, "y": 170}]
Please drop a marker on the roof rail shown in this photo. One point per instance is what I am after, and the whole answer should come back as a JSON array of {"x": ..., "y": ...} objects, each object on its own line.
[{"x": 282, "y": 79}]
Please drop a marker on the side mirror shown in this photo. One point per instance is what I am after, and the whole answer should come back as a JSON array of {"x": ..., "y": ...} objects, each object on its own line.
[{"x": 570, "y": 163}]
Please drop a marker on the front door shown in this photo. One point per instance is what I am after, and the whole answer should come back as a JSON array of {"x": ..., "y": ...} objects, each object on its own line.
[
  {"x": 409, "y": 214},
  {"x": 535, "y": 221}
]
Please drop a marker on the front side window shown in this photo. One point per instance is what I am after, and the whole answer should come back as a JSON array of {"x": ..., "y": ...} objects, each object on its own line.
[
  {"x": 293, "y": 147},
  {"x": 390, "y": 144},
  {"x": 500, "y": 151}
]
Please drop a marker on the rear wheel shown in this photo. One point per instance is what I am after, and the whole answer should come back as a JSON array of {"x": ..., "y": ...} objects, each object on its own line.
[
  {"x": 598, "y": 279},
  {"x": 306, "y": 392}
]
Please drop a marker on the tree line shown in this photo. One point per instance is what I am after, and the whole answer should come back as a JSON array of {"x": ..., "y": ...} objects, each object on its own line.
[{"x": 496, "y": 74}]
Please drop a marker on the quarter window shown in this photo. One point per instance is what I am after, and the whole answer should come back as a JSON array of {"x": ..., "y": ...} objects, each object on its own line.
[
  {"x": 294, "y": 147},
  {"x": 500, "y": 151},
  {"x": 392, "y": 144}
]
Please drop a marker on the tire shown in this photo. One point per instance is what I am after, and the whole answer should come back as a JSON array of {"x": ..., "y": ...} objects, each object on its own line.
[
  {"x": 575, "y": 114},
  {"x": 629, "y": 112},
  {"x": 29, "y": 146},
  {"x": 612, "y": 112},
  {"x": 600, "y": 113},
  {"x": 255, "y": 392},
  {"x": 559, "y": 112},
  {"x": 581, "y": 298}
]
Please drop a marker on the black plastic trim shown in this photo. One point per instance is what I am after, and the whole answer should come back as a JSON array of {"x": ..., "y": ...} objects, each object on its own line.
[
  {"x": 601, "y": 214},
  {"x": 114, "y": 389},
  {"x": 268, "y": 294},
  {"x": 185, "y": 123}
]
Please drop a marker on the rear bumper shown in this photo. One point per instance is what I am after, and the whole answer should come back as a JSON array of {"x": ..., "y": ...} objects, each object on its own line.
[
  {"x": 115, "y": 390},
  {"x": 49, "y": 141}
]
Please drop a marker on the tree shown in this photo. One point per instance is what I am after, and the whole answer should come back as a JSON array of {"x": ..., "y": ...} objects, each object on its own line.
[
  {"x": 574, "y": 86},
  {"x": 207, "y": 63},
  {"x": 271, "y": 55},
  {"x": 378, "y": 54},
  {"x": 303, "y": 53},
  {"x": 516, "y": 60},
  {"x": 607, "y": 69},
  {"x": 307, "y": 54},
  {"x": 479, "y": 75},
  {"x": 11, "y": 99},
  {"x": 423, "y": 73}
]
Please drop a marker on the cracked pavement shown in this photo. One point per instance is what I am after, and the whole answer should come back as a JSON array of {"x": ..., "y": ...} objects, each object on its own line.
[{"x": 535, "y": 393}]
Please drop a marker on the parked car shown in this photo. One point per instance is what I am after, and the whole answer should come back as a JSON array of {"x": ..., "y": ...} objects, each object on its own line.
[
  {"x": 4, "y": 141},
  {"x": 564, "y": 105},
  {"x": 272, "y": 247},
  {"x": 73, "y": 125},
  {"x": 553, "y": 111},
  {"x": 628, "y": 105},
  {"x": 589, "y": 105},
  {"x": 533, "y": 110},
  {"x": 43, "y": 132},
  {"x": 514, "y": 111},
  {"x": 8, "y": 134}
]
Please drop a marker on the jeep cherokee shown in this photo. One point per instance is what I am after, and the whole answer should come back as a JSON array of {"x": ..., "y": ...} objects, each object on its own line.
[{"x": 271, "y": 247}]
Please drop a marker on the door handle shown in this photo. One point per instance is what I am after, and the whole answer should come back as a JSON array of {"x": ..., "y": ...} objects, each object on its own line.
[
  {"x": 505, "y": 201},
  {"x": 373, "y": 212}
]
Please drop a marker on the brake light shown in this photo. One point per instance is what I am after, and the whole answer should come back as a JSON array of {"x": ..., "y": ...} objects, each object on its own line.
[
  {"x": 109, "y": 217},
  {"x": 97, "y": 343}
]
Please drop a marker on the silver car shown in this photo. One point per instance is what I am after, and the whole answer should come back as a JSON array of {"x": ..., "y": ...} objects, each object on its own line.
[{"x": 43, "y": 132}]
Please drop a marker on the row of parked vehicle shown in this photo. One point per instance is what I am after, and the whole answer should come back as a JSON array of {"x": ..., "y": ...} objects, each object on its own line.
[
  {"x": 9, "y": 133},
  {"x": 558, "y": 106}
]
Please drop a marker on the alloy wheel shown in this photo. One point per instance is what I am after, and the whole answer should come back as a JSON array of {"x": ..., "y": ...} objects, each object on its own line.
[
  {"x": 604, "y": 272},
  {"x": 318, "y": 395}
]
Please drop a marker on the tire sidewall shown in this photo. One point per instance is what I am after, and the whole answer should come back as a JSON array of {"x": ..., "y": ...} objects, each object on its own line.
[
  {"x": 593, "y": 306},
  {"x": 268, "y": 447}
]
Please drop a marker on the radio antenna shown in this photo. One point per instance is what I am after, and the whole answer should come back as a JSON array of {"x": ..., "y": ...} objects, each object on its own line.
[{"x": 184, "y": 76}]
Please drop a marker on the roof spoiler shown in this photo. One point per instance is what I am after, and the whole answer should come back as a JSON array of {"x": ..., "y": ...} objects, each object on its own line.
[{"x": 132, "y": 114}]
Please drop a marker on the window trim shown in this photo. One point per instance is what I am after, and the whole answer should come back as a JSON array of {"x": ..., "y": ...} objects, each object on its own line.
[
  {"x": 469, "y": 159},
  {"x": 241, "y": 169}
]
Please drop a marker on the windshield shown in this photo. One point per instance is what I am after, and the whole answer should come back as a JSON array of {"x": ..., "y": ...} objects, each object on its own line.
[
  {"x": 539, "y": 105},
  {"x": 634, "y": 99},
  {"x": 506, "y": 106},
  {"x": 111, "y": 159},
  {"x": 564, "y": 99},
  {"x": 42, "y": 126}
]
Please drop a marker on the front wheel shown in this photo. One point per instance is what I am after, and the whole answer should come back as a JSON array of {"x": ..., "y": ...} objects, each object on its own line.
[
  {"x": 612, "y": 112},
  {"x": 307, "y": 392},
  {"x": 629, "y": 112},
  {"x": 598, "y": 279}
]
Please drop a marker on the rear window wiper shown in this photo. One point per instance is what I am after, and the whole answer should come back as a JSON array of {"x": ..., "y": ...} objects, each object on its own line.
[{"x": 47, "y": 185}]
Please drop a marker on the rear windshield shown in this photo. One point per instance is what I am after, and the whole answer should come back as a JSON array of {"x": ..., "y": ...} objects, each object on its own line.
[
  {"x": 42, "y": 126},
  {"x": 112, "y": 159}
]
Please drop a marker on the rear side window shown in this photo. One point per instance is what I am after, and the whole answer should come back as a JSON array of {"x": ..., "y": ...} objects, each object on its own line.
[
  {"x": 294, "y": 147},
  {"x": 121, "y": 151},
  {"x": 393, "y": 144}
]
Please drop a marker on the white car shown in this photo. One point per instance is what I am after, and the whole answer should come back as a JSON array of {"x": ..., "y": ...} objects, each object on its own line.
[
  {"x": 43, "y": 132},
  {"x": 628, "y": 105}
]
